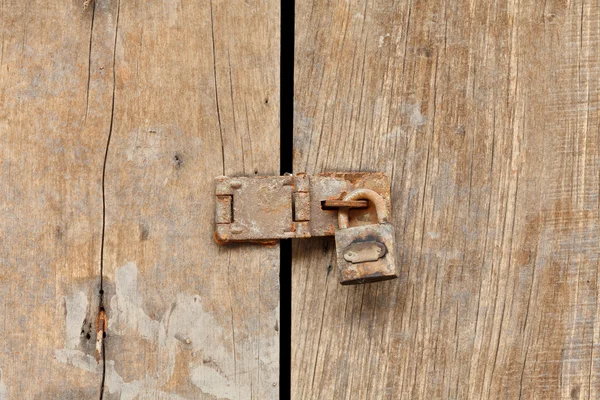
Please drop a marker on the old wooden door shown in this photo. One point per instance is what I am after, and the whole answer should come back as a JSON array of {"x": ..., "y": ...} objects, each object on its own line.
[
  {"x": 116, "y": 115},
  {"x": 485, "y": 114},
  {"x": 114, "y": 121}
]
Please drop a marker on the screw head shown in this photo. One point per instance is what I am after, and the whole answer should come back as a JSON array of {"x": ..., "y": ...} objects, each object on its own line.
[
  {"x": 235, "y": 184},
  {"x": 237, "y": 229}
]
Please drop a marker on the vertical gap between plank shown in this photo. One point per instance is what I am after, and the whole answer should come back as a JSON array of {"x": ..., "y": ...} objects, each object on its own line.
[{"x": 286, "y": 165}]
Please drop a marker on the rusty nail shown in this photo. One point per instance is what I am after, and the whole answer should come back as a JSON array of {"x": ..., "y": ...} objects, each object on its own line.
[
  {"x": 183, "y": 339},
  {"x": 235, "y": 184}
]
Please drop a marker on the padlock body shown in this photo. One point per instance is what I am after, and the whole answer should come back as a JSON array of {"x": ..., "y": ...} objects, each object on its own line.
[{"x": 365, "y": 254}]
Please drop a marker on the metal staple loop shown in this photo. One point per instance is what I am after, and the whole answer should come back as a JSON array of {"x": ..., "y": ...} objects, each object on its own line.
[{"x": 382, "y": 213}]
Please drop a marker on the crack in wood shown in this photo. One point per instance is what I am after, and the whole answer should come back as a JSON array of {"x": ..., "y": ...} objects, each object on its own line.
[
  {"x": 102, "y": 319},
  {"x": 87, "y": 92},
  {"x": 212, "y": 30}
]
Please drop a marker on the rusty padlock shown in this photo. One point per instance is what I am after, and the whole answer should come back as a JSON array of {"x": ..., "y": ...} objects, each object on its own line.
[{"x": 365, "y": 253}]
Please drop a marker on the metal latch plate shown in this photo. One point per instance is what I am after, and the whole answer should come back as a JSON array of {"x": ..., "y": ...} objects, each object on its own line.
[
  {"x": 266, "y": 208},
  {"x": 254, "y": 208}
]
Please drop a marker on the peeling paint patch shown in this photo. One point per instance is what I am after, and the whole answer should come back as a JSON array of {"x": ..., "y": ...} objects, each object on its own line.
[
  {"x": 185, "y": 326},
  {"x": 187, "y": 323},
  {"x": 79, "y": 359},
  {"x": 127, "y": 313},
  {"x": 114, "y": 382},
  {"x": 3, "y": 389},
  {"x": 213, "y": 382},
  {"x": 187, "y": 320},
  {"x": 77, "y": 305},
  {"x": 142, "y": 389}
]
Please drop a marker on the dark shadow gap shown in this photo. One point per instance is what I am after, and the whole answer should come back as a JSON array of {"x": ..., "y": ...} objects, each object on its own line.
[{"x": 286, "y": 165}]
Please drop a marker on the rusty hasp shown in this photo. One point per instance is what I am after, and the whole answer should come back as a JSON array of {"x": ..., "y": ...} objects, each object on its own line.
[
  {"x": 254, "y": 208},
  {"x": 267, "y": 208}
]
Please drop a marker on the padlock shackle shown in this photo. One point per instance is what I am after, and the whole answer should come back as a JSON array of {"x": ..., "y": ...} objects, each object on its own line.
[{"x": 363, "y": 194}]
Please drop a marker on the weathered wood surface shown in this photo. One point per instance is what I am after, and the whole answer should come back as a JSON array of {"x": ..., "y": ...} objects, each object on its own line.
[
  {"x": 50, "y": 202},
  {"x": 485, "y": 114},
  {"x": 180, "y": 92},
  {"x": 201, "y": 318}
]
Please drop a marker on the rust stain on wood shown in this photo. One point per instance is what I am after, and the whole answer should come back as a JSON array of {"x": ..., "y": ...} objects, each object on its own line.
[{"x": 101, "y": 325}]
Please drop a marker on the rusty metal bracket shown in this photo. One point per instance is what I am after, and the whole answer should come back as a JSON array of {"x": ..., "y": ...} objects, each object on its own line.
[{"x": 267, "y": 208}]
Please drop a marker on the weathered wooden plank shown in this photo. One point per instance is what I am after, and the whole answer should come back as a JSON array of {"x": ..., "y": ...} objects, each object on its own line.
[
  {"x": 51, "y": 155},
  {"x": 486, "y": 116},
  {"x": 116, "y": 119},
  {"x": 196, "y": 90}
]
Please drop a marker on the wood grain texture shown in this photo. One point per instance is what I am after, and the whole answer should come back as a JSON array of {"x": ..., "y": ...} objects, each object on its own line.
[
  {"x": 125, "y": 112},
  {"x": 485, "y": 115},
  {"x": 196, "y": 88},
  {"x": 50, "y": 202}
]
